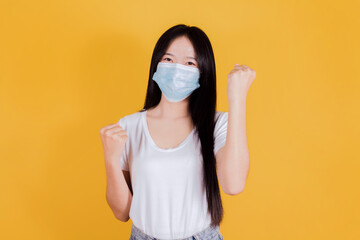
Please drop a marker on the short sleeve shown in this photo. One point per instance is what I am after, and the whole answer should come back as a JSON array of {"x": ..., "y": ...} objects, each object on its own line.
[
  {"x": 124, "y": 159},
  {"x": 220, "y": 131}
]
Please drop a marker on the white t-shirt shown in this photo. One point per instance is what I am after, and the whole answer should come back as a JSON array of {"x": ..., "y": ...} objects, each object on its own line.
[{"x": 169, "y": 198}]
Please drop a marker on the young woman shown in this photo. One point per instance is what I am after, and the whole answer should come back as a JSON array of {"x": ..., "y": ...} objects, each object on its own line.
[{"x": 173, "y": 151}]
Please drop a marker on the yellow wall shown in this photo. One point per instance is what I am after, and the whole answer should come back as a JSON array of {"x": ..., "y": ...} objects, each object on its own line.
[{"x": 68, "y": 68}]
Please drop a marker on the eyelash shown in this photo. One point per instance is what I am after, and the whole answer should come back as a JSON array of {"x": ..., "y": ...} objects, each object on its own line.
[{"x": 188, "y": 62}]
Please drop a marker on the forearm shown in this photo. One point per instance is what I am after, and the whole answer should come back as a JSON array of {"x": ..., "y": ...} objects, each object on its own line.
[
  {"x": 237, "y": 152},
  {"x": 118, "y": 194}
]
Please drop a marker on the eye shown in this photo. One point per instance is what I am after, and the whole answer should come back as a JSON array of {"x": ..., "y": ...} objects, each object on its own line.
[
  {"x": 167, "y": 58},
  {"x": 191, "y": 63}
]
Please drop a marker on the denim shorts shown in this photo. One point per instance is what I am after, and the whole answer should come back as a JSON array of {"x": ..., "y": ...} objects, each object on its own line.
[{"x": 209, "y": 233}]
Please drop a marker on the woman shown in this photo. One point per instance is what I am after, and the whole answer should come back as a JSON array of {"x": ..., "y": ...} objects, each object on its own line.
[{"x": 173, "y": 151}]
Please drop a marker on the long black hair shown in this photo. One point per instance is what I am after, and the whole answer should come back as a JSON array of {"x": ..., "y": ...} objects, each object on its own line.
[{"x": 202, "y": 105}]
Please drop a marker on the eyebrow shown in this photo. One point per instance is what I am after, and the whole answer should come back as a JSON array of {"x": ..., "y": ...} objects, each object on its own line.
[{"x": 173, "y": 55}]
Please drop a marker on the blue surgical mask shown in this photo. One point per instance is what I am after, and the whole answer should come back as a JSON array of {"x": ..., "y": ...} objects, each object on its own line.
[{"x": 176, "y": 81}]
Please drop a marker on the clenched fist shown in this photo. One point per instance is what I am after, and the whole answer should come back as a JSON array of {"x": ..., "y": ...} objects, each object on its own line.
[
  {"x": 239, "y": 80},
  {"x": 113, "y": 138}
]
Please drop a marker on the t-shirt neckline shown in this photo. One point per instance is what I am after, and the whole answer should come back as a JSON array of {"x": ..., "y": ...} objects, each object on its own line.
[{"x": 147, "y": 133}]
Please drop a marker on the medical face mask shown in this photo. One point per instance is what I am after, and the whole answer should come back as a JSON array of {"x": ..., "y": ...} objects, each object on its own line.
[{"x": 176, "y": 81}]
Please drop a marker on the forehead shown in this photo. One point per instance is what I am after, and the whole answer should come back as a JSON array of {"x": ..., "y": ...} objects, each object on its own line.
[{"x": 181, "y": 46}]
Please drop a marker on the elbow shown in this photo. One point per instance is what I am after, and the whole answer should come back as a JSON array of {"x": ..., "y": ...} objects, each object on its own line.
[
  {"x": 122, "y": 217},
  {"x": 118, "y": 211},
  {"x": 235, "y": 191}
]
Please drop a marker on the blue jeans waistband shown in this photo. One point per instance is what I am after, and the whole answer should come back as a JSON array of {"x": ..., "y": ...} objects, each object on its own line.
[{"x": 208, "y": 233}]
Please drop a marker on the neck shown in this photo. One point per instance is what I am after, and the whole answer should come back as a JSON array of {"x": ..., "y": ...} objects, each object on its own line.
[{"x": 172, "y": 110}]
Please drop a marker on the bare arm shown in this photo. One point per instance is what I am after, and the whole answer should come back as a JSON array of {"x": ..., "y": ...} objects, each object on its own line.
[
  {"x": 118, "y": 193},
  {"x": 118, "y": 185},
  {"x": 234, "y": 160}
]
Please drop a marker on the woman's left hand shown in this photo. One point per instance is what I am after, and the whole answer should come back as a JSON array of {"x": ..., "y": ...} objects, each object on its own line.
[{"x": 239, "y": 82}]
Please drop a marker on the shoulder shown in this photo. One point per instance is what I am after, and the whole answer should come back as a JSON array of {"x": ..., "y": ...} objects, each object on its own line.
[
  {"x": 221, "y": 120},
  {"x": 127, "y": 121},
  {"x": 221, "y": 116}
]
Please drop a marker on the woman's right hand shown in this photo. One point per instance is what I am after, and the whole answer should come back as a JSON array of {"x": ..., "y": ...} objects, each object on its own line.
[{"x": 113, "y": 138}]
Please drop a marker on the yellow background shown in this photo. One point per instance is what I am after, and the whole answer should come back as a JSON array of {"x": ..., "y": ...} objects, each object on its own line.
[{"x": 68, "y": 68}]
